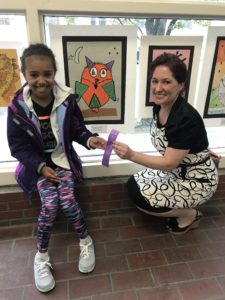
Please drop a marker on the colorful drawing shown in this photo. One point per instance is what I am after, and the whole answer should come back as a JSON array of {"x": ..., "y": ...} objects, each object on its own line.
[
  {"x": 9, "y": 75},
  {"x": 185, "y": 53},
  {"x": 215, "y": 101},
  {"x": 96, "y": 87},
  {"x": 95, "y": 67}
]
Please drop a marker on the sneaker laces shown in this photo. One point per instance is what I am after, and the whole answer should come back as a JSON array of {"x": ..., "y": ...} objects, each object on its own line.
[
  {"x": 85, "y": 250},
  {"x": 43, "y": 268}
]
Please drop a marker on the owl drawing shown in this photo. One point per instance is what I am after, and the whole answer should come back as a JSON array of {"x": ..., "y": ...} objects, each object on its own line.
[{"x": 96, "y": 86}]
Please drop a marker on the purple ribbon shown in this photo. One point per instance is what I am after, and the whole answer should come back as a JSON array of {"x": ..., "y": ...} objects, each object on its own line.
[{"x": 108, "y": 150}]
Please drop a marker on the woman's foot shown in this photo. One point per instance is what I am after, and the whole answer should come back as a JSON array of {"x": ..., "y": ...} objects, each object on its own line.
[{"x": 173, "y": 227}]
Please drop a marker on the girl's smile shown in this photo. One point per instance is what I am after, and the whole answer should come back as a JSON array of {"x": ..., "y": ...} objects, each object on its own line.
[{"x": 40, "y": 76}]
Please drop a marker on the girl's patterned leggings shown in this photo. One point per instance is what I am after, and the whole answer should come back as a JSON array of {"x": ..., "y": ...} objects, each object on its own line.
[{"x": 55, "y": 196}]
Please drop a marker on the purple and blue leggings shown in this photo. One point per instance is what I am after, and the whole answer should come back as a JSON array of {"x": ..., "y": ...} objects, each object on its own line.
[{"x": 55, "y": 196}]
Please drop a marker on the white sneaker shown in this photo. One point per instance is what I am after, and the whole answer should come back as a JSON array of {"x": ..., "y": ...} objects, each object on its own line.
[
  {"x": 87, "y": 255},
  {"x": 44, "y": 280}
]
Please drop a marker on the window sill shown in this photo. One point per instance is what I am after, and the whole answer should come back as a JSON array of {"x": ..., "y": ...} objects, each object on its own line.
[{"x": 95, "y": 169}]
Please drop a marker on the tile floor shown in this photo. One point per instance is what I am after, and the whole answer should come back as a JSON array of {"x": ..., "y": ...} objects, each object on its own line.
[{"x": 135, "y": 260}]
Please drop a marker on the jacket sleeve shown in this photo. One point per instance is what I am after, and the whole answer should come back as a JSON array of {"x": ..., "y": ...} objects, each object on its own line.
[{"x": 22, "y": 146}]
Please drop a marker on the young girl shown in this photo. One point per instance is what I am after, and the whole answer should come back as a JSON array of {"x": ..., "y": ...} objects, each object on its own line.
[{"x": 43, "y": 121}]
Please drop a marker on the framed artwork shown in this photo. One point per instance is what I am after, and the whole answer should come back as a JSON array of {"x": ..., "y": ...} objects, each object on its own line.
[
  {"x": 215, "y": 99},
  {"x": 185, "y": 53},
  {"x": 9, "y": 75},
  {"x": 187, "y": 47},
  {"x": 95, "y": 67}
]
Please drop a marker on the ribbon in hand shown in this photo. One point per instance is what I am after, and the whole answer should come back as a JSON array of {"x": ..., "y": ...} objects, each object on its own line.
[{"x": 108, "y": 150}]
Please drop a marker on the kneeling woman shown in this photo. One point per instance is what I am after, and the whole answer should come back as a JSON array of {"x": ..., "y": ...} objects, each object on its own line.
[{"x": 183, "y": 176}]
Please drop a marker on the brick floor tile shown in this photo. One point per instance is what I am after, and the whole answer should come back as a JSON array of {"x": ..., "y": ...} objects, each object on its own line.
[
  {"x": 158, "y": 242},
  {"x": 207, "y": 268},
  {"x": 14, "y": 261},
  {"x": 217, "y": 234},
  {"x": 89, "y": 286},
  {"x": 60, "y": 292},
  {"x": 210, "y": 210},
  {"x": 119, "y": 247},
  {"x": 24, "y": 245},
  {"x": 201, "y": 290},
  {"x": 12, "y": 294},
  {"x": 65, "y": 271},
  {"x": 146, "y": 259},
  {"x": 105, "y": 235},
  {"x": 115, "y": 221},
  {"x": 6, "y": 246},
  {"x": 65, "y": 239},
  {"x": 171, "y": 274},
  {"x": 221, "y": 281},
  {"x": 127, "y": 295},
  {"x": 111, "y": 264},
  {"x": 135, "y": 232},
  {"x": 134, "y": 279},
  {"x": 194, "y": 237},
  {"x": 219, "y": 221},
  {"x": 136, "y": 259},
  {"x": 212, "y": 250},
  {"x": 162, "y": 293},
  {"x": 16, "y": 278},
  {"x": 182, "y": 254},
  {"x": 58, "y": 255}
]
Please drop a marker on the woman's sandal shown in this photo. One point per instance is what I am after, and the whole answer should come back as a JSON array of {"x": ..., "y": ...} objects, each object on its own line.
[{"x": 172, "y": 224}]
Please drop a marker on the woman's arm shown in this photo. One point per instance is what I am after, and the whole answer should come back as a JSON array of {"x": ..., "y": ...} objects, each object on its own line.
[{"x": 169, "y": 161}]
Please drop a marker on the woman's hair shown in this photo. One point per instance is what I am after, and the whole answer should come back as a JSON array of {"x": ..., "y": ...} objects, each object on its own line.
[
  {"x": 37, "y": 49},
  {"x": 174, "y": 63}
]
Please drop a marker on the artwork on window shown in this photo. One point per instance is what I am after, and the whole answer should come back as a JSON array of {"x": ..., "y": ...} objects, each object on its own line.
[
  {"x": 95, "y": 67},
  {"x": 185, "y": 53},
  {"x": 9, "y": 75},
  {"x": 215, "y": 100},
  {"x": 188, "y": 47}
]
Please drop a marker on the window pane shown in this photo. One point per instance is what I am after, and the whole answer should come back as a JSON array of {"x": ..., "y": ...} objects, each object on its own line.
[
  {"x": 146, "y": 26},
  {"x": 13, "y": 39}
]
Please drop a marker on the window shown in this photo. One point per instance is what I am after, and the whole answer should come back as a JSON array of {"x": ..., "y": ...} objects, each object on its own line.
[
  {"x": 13, "y": 36},
  {"x": 13, "y": 32},
  {"x": 146, "y": 26}
]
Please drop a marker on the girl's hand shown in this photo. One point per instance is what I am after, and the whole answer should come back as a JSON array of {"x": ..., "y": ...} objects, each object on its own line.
[
  {"x": 49, "y": 173},
  {"x": 123, "y": 150},
  {"x": 97, "y": 142}
]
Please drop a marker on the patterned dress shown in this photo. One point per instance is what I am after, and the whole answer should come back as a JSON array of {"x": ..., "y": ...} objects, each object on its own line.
[{"x": 195, "y": 180}]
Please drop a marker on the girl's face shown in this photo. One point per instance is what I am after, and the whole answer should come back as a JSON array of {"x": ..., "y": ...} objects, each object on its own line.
[
  {"x": 164, "y": 86},
  {"x": 40, "y": 76}
]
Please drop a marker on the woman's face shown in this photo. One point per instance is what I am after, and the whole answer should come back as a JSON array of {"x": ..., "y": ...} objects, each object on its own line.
[
  {"x": 40, "y": 75},
  {"x": 164, "y": 86}
]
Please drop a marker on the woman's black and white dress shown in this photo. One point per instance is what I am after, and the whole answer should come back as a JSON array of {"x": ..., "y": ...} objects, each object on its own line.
[{"x": 195, "y": 180}]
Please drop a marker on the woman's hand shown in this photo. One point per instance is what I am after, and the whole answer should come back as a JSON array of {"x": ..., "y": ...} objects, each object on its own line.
[
  {"x": 50, "y": 174},
  {"x": 215, "y": 157},
  {"x": 97, "y": 142},
  {"x": 123, "y": 150}
]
